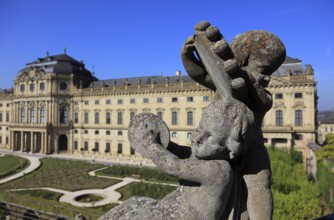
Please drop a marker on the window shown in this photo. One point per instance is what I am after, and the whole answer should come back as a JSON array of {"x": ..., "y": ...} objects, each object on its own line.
[
  {"x": 189, "y": 135},
  {"x": 97, "y": 132},
  {"x": 120, "y": 101},
  {"x": 0, "y": 117},
  {"x": 298, "y": 95},
  {"x": 75, "y": 131},
  {"x": 86, "y": 131},
  {"x": 23, "y": 115},
  {"x": 32, "y": 87},
  {"x": 41, "y": 86},
  {"x": 132, "y": 115},
  {"x": 190, "y": 117},
  {"x": 76, "y": 103},
  {"x": 279, "y": 118},
  {"x": 278, "y": 96},
  {"x": 132, "y": 101},
  {"x": 108, "y": 118},
  {"x": 97, "y": 118},
  {"x": 86, "y": 117},
  {"x": 107, "y": 132},
  {"x": 75, "y": 145},
  {"x": 42, "y": 115},
  {"x": 32, "y": 115},
  {"x": 76, "y": 118},
  {"x": 63, "y": 86},
  {"x": 174, "y": 99},
  {"x": 132, "y": 151},
  {"x": 190, "y": 99},
  {"x": 97, "y": 102},
  {"x": 119, "y": 118},
  {"x": 107, "y": 147},
  {"x": 86, "y": 145},
  {"x": 160, "y": 115},
  {"x": 108, "y": 101},
  {"x": 206, "y": 98},
  {"x": 63, "y": 115},
  {"x": 174, "y": 118},
  {"x": 174, "y": 134},
  {"x": 159, "y": 100},
  {"x": 22, "y": 88},
  {"x": 119, "y": 148},
  {"x": 97, "y": 146},
  {"x": 86, "y": 102},
  {"x": 7, "y": 140},
  {"x": 7, "y": 116},
  {"x": 119, "y": 133},
  {"x": 298, "y": 118},
  {"x": 145, "y": 100}
]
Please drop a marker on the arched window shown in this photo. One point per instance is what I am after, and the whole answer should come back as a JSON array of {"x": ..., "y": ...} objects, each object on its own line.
[
  {"x": 279, "y": 118},
  {"x": 86, "y": 117},
  {"x": 160, "y": 115},
  {"x": 174, "y": 118},
  {"x": 86, "y": 145},
  {"x": 97, "y": 132},
  {"x": 23, "y": 115},
  {"x": 120, "y": 133},
  {"x": 97, "y": 118},
  {"x": 189, "y": 135},
  {"x": 32, "y": 115},
  {"x": 108, "y": 118},
  {"x": 132, "y": 115},
  {"x": 119, "y": 118},
  {"x": 120, "y": 148},
  {"x": 190, "y": 120},
  {"x": 42, "y": 115},
  {"x": 76, "y": 117},
  {"x": 107, "y": 150},
  {"x": 298, "y": 117},
  {"x": 132, "y": 151},
  {"x": 63, "y": 116},
  {"x": 97, "y": 147},
  {"x": 41, "y": 86},
  {"x": 0, "y": 117},
  {"x": 174, "y": 134},
  {"x": 107, "y": 132}
]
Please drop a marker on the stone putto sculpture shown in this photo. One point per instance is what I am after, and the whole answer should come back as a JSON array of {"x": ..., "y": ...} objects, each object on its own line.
[{"x": 225, "y": 174}]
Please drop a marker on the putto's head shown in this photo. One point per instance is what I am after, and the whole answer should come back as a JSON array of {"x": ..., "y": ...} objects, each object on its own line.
[{"x": 224, "y": 130}]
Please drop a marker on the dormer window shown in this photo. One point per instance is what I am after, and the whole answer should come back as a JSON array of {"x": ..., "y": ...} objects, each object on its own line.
[
  {"x": 22, "y": 87},
  {"x": 63, "y": 86},
  {"x": 32, "y": 87},
  {"x": 41, "y": 86}
]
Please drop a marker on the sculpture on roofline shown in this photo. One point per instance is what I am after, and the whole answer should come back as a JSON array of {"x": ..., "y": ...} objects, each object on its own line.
[{"x": 226, "y": 172}]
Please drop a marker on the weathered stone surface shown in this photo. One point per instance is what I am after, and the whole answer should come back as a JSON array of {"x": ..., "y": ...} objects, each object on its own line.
[{"x": 227, "y": 175}]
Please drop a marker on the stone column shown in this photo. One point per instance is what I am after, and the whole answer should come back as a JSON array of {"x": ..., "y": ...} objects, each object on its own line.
[
  {"x": 32, "y": 142},
  {"x": 22, "y": 140},
  {"x": 56, "y": 145}
]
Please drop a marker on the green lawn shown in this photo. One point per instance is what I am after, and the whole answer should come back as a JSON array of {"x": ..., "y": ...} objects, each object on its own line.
[
  {"x": 155, "y": 191},
  {"x": 62, "y": 174},
  {"x": 144, "y": 173},
  {"x": 10, "y": 165},
  {"x": 73, "y": 175}
]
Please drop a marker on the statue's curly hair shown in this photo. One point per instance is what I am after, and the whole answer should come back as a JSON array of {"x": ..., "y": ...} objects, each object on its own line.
[
  {"x": 258, "y": 46},
  {"x": 231, "y": 112}
]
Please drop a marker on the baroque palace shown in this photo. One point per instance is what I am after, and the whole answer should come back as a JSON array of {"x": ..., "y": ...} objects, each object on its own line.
[{"x": 58, "y": 106}]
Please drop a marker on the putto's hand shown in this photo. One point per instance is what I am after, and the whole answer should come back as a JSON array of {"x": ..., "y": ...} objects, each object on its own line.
[{"x": 188, "y": 46}]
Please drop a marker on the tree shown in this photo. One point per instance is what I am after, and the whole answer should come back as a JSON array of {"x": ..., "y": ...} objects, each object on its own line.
[{"x": 327, "y": 151}]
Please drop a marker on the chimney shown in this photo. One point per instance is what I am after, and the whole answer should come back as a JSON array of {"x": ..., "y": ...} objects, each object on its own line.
[{"x": 178, "y": 73}]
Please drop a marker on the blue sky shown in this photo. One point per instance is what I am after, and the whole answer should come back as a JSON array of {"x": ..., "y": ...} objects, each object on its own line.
[{"x": 127, "y": 38}]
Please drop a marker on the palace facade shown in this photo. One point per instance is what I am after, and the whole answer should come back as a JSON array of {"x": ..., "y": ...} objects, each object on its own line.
[{"x": 57, "y": 105}]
